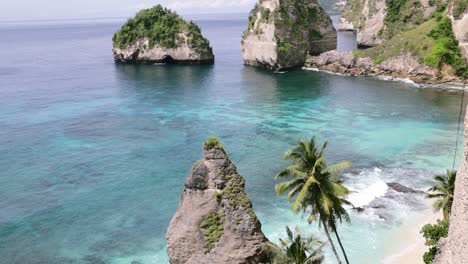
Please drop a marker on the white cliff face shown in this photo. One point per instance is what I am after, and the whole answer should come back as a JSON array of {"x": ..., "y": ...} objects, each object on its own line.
[
  {"x": 366, "y": 18},
  {"x": 261, "y": 49},
  {"x": 454, "y": 249},
  {"x": 375, "y": 12},
  {"x": 460, "y": 30},
  {"x": 141, "y": 52},
  {"x": 282, "y": 32}
]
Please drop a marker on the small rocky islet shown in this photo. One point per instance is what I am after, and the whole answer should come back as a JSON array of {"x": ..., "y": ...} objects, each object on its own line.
[{"x": 158, "y": 35}]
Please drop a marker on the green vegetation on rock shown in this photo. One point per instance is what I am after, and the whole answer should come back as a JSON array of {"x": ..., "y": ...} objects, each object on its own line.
[
  {"x": 432, "y": 42},
  {"x": 213, "y": 228},
  {"x": 235, "y": 195},
  {"x": 459, "y": 8},
  {"x": 403, "y": 15},
  {"x": 445, "y": 50},
  {"x": 213, "y": 143},
  {"x": 163, "y": 28}
]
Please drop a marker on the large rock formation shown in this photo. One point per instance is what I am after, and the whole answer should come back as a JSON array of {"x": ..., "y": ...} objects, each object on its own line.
[
  {"x": 454, "y": 249},
  {"x": 215, "y": 222},
  {"x": 376, "y": 20},
  {"x": 281, "y": 33},
  {"x": 458, "y": 13},
  {"x": 158, "y": 35},
  {"x": 404, "y": 39},
  {"x": 365, "y": 17}
]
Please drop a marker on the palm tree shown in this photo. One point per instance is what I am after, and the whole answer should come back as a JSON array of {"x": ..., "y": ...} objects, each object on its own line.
[
  {"x": 316, "y": 187},
  {"x": 296, "y": 249},
  {"x": 443, "y": 191}
]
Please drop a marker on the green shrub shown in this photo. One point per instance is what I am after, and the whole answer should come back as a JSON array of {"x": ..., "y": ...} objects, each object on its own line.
[
  {"x": 445, "y": 50},
  {"x": 213, "y": 143},
  {"x": 432, "y": 235}
]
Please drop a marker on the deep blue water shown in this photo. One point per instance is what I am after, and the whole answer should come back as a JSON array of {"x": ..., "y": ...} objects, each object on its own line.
[{"x": 93, "y": 155}]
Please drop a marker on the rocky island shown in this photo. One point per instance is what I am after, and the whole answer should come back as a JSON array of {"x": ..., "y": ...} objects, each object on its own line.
[
  {"x": 424, "y": 41},
  {"x": 158, "y": 35},
  {"x": 281, "y": 33},
  {"x": 215, "y": 222}
]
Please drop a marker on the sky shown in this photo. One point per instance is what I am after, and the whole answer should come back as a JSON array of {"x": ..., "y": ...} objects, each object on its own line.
[{"x": 18, "y": 10}]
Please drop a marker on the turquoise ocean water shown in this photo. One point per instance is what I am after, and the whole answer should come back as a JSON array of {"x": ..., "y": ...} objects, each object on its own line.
[{"x": 93, "y": 155}]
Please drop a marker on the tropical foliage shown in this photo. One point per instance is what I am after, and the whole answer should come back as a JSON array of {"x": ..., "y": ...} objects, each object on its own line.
[
  {"x": 315, "y": 187},
  {"x": 162, "y": 27},
  {"x": 296, "y": 249},
  {"x": 432, "y": 234},
  {"x": 443, "y": 191}
]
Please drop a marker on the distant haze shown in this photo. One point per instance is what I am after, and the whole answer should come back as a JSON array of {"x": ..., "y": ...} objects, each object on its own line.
[{"x": 85, "y": 9}]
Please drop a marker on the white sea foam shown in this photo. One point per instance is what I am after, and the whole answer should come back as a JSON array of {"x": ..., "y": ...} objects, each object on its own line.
[{"x": 367, "y": 193}]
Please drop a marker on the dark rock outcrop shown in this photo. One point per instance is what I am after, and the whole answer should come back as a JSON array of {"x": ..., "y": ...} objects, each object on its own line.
[
  {"x": 402, "y": 189},
  {"x": 215, "y": 222},
  {"x": 281, "y": 33},
  {"x": 157, "y": 35}
]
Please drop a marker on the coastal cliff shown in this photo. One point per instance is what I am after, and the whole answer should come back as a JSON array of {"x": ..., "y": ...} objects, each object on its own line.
[
  {"x": 454, "y": 249},
  {"x": 423, "y": 41},
  {"x": 378, "y": 20},
  {"x": 157, "y": 35},
  {"x": 281, "y": 33},
  {"x": 458, "y": 13},
  {"x": 215, "y": 222}
]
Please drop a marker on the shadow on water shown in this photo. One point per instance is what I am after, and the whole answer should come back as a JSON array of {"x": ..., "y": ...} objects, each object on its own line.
[
  {"x": 173, "y": 76},
  {"x": 263, "y": 85}
]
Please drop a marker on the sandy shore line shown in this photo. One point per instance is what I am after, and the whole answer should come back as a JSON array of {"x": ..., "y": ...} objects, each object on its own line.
[{"x": 408, "y": 243}]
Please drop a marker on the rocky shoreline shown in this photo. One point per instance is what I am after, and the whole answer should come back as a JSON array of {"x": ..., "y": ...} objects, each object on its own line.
[{"x": 402, "y": 68}]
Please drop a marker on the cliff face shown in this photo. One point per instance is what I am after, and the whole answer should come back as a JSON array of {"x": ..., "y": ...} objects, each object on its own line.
[
  {"x": 214, "y": 222},
  {"x": 366, "y": 18},
  {"x": 281, "y": 33},
  {"x": 454, "y": 249},
  {"x": 458, "y": 13},
  {"x": 158, "y": 35},
  {"x": 377, "y": 20}
]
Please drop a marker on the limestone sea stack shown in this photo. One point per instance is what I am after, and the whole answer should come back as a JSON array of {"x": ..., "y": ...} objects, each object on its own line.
[
  {"x": 215, "y": 222},
  {"x": 158, "y": 35},
  {"x": 281, "y": 33}
]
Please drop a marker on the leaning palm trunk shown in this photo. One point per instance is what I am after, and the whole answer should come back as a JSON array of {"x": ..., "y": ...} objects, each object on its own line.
[
  {"x": 331, "y": 242},
  {"x": 341, "y": 246}
]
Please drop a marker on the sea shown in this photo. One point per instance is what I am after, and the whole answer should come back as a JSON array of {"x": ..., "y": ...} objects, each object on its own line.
[{"x": 94, "y": 155}]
